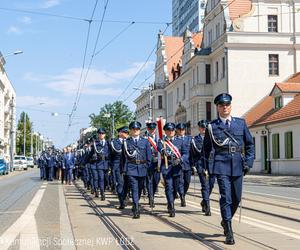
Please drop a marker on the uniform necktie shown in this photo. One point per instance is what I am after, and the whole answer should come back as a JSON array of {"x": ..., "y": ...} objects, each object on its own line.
[{"x": 227, "y": 124}]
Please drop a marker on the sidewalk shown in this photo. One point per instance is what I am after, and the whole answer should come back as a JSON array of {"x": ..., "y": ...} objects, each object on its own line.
[{"x": 274, "y": 180}]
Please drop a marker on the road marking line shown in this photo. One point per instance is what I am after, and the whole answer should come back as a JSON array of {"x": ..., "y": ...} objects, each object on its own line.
[
  {"x": 65, "y": 224},
  {"x": 8, "y": 237},
  {"x": 273, "y": 195},
  {"x": 29, "y": 237},
  {"x": 258, "y": 223}
]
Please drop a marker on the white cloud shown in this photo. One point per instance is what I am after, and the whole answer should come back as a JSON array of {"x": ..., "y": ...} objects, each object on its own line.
[
  {"x": 50, "y": 3},
  {"x": 26, "y": 20},
  {"x": 98, "y": 82},
  {"x": 14, "y": 30},
  {"x": 38, "y": 102}
]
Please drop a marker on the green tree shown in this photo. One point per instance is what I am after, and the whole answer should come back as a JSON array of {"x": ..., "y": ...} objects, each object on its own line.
[
  {"x": 118, "y": 111},
  {"x": 20, "y": 134}
]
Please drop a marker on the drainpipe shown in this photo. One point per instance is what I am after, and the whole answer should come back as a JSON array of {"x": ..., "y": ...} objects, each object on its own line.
[
  {"x": 226, "y": 68},
  {"x": 269, "y": 169},
  {"x": 294, "y": 37}
]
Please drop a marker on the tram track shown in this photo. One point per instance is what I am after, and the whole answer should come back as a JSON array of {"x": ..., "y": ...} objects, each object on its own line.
[{"x": 119, "y": 235}]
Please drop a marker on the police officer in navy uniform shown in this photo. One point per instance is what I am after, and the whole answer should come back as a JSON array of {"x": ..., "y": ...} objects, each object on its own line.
[
  {"x": 171, "y": 166},
  {"x": 136, "y": 159},
  {"x": 229, "y": 147},
  {"x": 116, "y": 154},
  {"x": 99, "y": 155},
  {"x": 186, "y": 164},
  {"x": 201, "y": 166},
  {"x": 153, "y": 175}
]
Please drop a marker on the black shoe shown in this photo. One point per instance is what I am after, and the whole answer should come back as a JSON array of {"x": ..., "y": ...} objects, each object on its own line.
[
  {"x": 183, "y": 203},
  {"x": 171, "y": 210},
  {"x": 229, "y": 234},
  {"x": 151, "y": 203},
  {"x": 103, "y": 197},
  {"x": 203, "y": 205},
  {"x": 88, "y": 188},
  {"x": 136, "y": 212},
  {"x": 92, "y": 191},
  {"x": 122, "y": 206},
  {"x": 207, "y": 210},
  {"x": 96, "y": 193}
]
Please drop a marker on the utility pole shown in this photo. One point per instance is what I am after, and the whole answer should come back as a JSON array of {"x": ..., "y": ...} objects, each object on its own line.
[
  {"x": 11, "y": 135},
  {"x": 24, "y": 124},
  {"x": 150, "y": 102},
  {"x": 113, "y": 125},
  {"x": 31, "y": 141}
]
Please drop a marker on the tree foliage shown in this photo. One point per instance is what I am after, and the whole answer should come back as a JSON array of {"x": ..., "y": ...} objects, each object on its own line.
[
  {"x": 118, "y": 110},
  {"x": 20, "y": 134}
]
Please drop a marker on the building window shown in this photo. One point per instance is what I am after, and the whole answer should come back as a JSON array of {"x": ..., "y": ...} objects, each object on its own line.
[
  {"x": 208, "y": 111},
  {"x": 217, "y": 30},
  {"x": 193, "y": 76},
  {"x": 177, "y": 95},
  {"x": 272, "y": 23},
  {"x": 217, "y": 71},
  {"x": 160, "y": 106},
  {"x": 275, "y": 146},
  {"x": 207, "y": 74},
  {"x": 278, "y": 102},
  {"x": 273, "y": 65},
  {"x": 223, "y": 67},
  {"x": 209, "y": 37},
  {"x": 183, "y": 96},
  {"x": 288, "y": 141}
]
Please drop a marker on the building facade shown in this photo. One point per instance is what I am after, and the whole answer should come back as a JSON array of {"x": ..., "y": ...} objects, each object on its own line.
[
  {"x": 7, "y": 114},
  {"x": 187, "y": 13},
  {"x": 275, "y": 125}
]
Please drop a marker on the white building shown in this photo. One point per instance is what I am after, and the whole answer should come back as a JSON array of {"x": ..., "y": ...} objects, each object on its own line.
[
  {"x": 275, "y": 125},
  {"x": 187, "y": 13},
  {"x": 7, "y": 114}
]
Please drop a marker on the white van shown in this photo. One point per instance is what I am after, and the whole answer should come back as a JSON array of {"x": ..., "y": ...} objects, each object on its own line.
[{"x": 20, "y": 162}]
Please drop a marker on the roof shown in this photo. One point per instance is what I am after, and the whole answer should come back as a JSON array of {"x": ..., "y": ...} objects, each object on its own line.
[
  {"x": 238, "y": 8},
  {"x": 294, "y": 78},
  {"x": 288, "y": 87},
  {"x": 174, "y": 49}
]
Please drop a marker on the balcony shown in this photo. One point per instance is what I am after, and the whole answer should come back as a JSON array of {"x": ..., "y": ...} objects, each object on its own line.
[{"x": 202, "y": 89}]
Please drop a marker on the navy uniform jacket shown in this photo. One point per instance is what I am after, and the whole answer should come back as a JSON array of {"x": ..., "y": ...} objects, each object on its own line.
[
  {"x": 51, "y": 161},
  {"x": 138, "y": 164},
  {"x": 186, "y": 164},
  {"x": 154, "y": 155},
  {"x": 174, "y": 165},
  {"x": 196, "y": 153},
  {"x": 116, "y": 153},
  {"x": 100, "y": 155},
  {"x": 221, "y": 159}
]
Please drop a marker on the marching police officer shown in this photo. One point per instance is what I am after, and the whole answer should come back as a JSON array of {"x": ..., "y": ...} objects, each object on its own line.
[
  {"x": 201, "y": 166},
  {"x": 173, "y": 153},
  {"x": 153, "y": 175},
  {"x": 69, "y": 160},
  {"x": 186, "y": 166},
  {"x": 136, "y": 159},
  {"x": 116, "y": 154},
  {"x": 99, "y": 155},
  {"x": 226, "y": 138}
]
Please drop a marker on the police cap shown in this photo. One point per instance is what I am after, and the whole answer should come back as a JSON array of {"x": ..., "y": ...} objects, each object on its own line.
[
  {"x": 180, "y": 126},
  {"x": 203, "y": 124},
  {"x": 123, "y": 129},
  {"x": 169, "y": 126},
  {"x": 223, "y": 98},
  {"x": 151, "y": 125},
  {"x": 135, "y": 125},
  {"x": 101, "y": 131}
]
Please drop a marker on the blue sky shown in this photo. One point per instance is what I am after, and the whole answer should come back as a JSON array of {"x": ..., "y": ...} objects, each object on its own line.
[{"x": 49, "y": 69}]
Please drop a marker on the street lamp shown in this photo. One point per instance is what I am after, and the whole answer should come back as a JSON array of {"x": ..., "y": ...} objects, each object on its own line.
[{"x": 2, "y": 57}]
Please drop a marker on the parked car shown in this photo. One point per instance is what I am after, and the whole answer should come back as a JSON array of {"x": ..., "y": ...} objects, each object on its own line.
[
  {"x": 30, "y": 162},
  {"x": 3, "y": 167},
  {"x": 20, "y": 162}
]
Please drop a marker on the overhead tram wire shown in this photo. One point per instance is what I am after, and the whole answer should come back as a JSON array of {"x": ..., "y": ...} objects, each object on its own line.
[
  {"x": 142, "y": 67},
  {"x": 90, "y": 64},
  {"x": 147, "y": 78},
  {"x": 77, "y": 18},
  {"x": 85, "y": 52}
]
